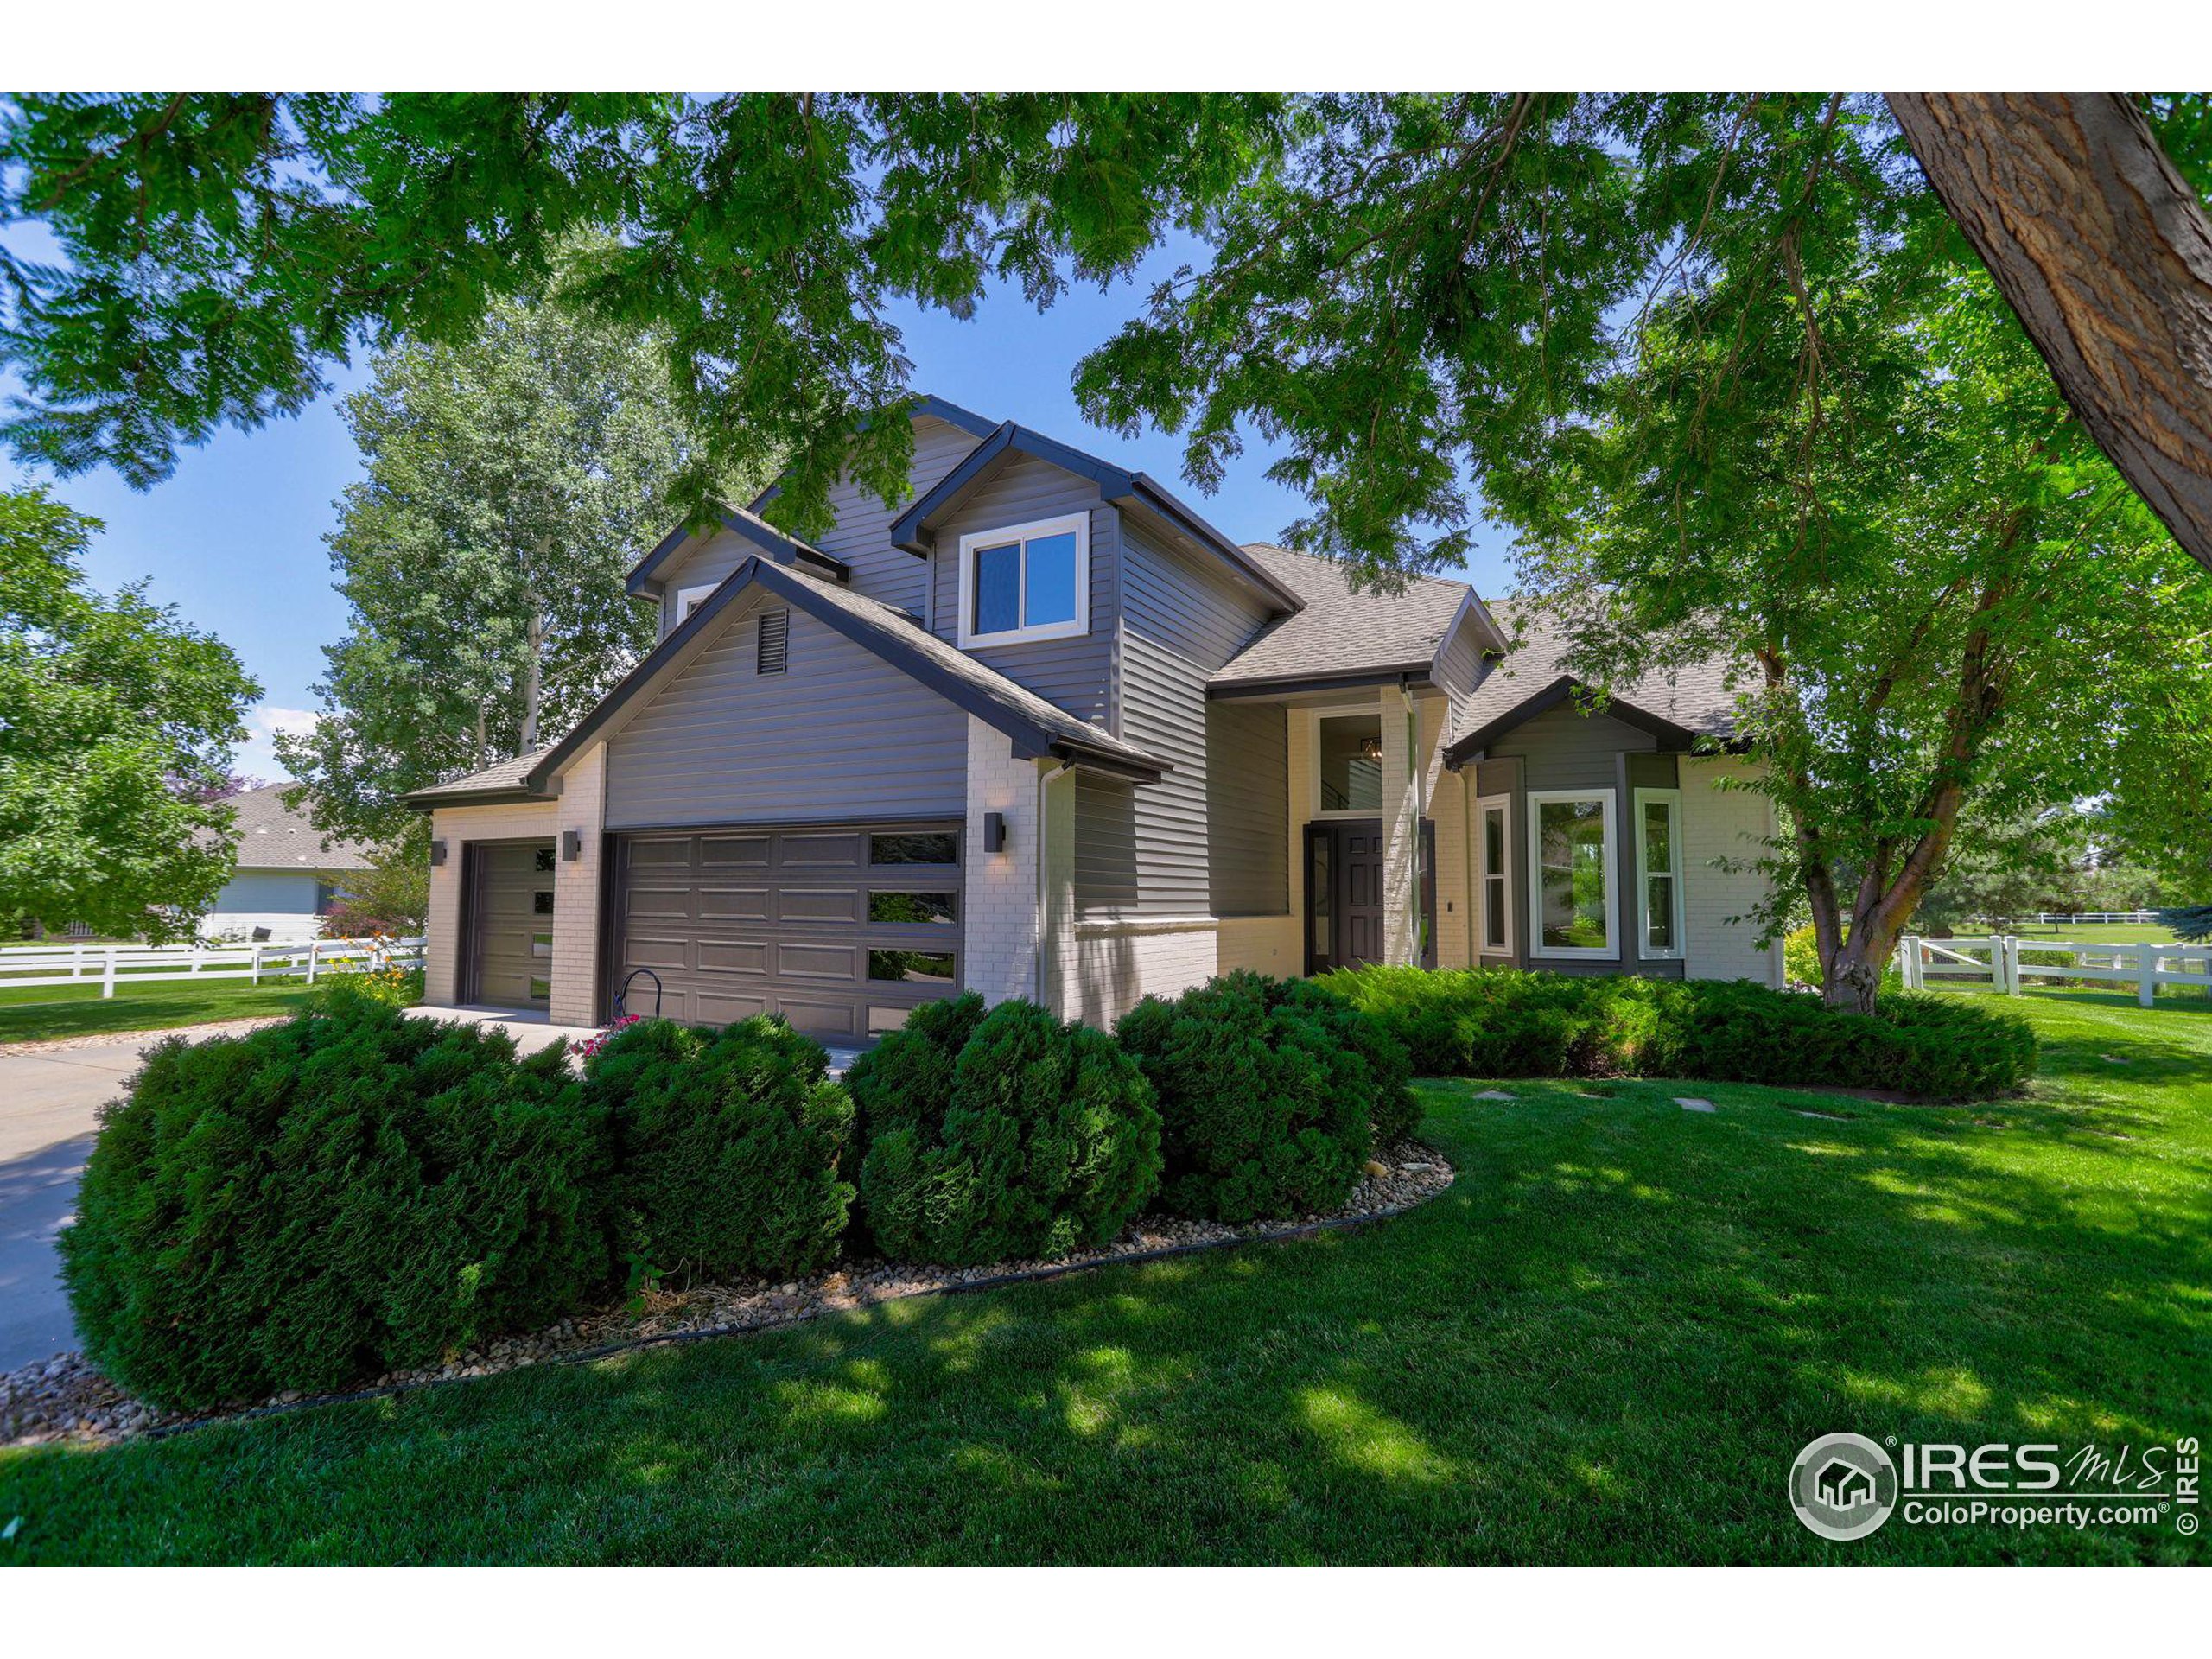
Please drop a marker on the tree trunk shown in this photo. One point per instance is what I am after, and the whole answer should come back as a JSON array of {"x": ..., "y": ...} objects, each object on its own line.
[
  {"x": 2106, "y": 255},
  {"x": 533, "y": 676}
]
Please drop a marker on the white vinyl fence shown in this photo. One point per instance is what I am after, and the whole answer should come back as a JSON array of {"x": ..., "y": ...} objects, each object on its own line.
[
  {"x": 2005, "y": 961},
  {"x": 2083, "y": 918},
  {"x": 110, "y": 965}
]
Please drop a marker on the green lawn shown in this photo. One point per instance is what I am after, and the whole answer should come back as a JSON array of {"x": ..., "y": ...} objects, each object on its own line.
[
  {"x": 1606, "y": 1343},
  {"x": 72, "y": 1011}
]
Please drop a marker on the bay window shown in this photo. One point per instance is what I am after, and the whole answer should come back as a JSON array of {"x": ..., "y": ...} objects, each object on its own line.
[
  {"x": 1031, "y": 581},
  {"x": 1571, "y": 905},
  {"x": 1493, "y": 835}
]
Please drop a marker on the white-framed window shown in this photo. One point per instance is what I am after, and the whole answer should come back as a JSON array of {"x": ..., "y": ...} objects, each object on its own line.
[
  {"x": 1346, "y": 752},
  {"x": 688, "y": 600},
  {"x": 1660, "y": 918},
  {"x": 1572, "y": 908},
  {"x": 1493, "y": 856},
  {"x": 1029, "y": 582}
]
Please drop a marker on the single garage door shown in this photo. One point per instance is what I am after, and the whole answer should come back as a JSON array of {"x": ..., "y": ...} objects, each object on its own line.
[
  {"x": 843, "y": 929},
  {"x": 509, "y": 890}
]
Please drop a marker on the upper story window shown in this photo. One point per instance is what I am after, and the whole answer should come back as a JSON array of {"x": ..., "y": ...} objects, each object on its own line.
[
  {"x": 688, "y": 600},
  {"x": 1031, "y": 581}
]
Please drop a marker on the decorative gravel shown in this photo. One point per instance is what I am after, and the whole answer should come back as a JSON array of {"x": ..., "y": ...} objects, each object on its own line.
[{"x": 65, "y": 1399}]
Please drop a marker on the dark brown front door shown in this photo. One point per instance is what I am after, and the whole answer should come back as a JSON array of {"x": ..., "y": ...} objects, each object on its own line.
[
  {"x": 1345, "y": 893},
  {"x": 508, "y": 886}
]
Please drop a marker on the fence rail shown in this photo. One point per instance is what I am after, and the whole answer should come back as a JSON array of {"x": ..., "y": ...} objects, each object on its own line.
[
  {"x": 2083, "y": 918},
  {"x": 110, "y": 965},
  {"x": 1998, "y": 960}
]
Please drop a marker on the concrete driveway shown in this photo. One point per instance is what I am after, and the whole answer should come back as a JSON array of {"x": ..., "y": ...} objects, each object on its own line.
[{"x": 49, "y": 1107}]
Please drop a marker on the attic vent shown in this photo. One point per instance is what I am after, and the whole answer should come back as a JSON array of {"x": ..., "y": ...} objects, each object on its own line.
[{"x": 775, "y": 642}]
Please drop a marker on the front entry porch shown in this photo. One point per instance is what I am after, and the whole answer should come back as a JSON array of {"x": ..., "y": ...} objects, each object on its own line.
[{"x": 1347, "y": 897}]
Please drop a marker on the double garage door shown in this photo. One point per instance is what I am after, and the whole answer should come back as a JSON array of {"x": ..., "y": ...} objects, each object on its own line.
[{"x": 843, "y": 929}]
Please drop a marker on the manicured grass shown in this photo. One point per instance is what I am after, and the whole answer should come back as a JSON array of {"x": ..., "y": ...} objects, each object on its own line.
[
  {"x": 68, "y": 1011},
  {"x": 1606, "y": 1343},
  {"x": 2094, "y": 933}
]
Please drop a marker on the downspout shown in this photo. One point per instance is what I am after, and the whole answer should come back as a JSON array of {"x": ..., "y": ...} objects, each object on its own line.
[{"x": 1418, "y": 762}]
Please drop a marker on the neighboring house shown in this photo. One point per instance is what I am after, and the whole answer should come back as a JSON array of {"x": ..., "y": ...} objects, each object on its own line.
[
  {"x": 288, "y": 873},
  {"x": 1040, "y": 730}
]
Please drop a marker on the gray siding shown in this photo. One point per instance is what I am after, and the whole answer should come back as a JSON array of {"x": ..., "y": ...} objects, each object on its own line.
[
  {"x": 1179, "y": 623},
  {"x": 1105, "y": 844},
  {"x": 840, "y": 734},
  {"x": 710, "y": 561},
  {"x": 862, "y": 536},
  {"x": 1248, "y": 808},
  {"x": 1076, "y": 674},
  {"x": 1563, "y": 749}
]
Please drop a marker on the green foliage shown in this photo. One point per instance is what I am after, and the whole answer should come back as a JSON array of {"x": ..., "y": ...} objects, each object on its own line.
[
  {"x": 1801, "y": 956},
  {"x": 1004, "y": 1135},
  {"x": 727, "y": 1146},
  {"x": 394, "y": 988},
  {"x": 1493, "y": 1022},
  {"x": 510, "y": 479},
  {"x": 350, "y": 1192},
  {"x": 392, "y": 896},
  {"x": 1271, "y": 1093},
  {"x": 115, "y": 726}
]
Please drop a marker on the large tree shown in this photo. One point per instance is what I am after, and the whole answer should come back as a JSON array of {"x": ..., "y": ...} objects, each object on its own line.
[
  {"x": 509, "y": 481},
  {"x": 222, "y": 250},
  {"x": 117, "y": 723}
]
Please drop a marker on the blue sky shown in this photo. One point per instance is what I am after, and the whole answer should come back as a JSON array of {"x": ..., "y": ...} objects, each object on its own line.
[{"x": 235, "y": 538}]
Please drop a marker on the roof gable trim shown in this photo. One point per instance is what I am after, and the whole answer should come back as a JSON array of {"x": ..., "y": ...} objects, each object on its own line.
[{"x": 1474, "y": 743}]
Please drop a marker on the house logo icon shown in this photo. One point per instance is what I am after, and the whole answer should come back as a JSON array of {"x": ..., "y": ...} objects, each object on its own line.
[{"x": 1843, "y": 1487}]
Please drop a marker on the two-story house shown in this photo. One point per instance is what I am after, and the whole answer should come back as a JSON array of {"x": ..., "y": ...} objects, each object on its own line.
[{"x": 1041, "y": 730}]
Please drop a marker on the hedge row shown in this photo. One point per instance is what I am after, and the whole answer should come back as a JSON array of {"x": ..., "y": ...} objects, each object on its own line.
[
  {"x": 1500, "y": 1023},
  {"x": 355, "y": 1192}
]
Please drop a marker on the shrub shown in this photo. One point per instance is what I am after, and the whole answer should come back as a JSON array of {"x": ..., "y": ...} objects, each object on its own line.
[
  {"x": 1006, "y": 1134},
  {"x": 350, "y": 1192},
  {"x": 1269, "y": 1093},
  {"x": 727, "y": 1146},
  {"x": 1495, "y": 1022}
]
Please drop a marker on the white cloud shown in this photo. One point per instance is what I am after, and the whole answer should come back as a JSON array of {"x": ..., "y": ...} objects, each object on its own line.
[{"x": 257, "y": 756}]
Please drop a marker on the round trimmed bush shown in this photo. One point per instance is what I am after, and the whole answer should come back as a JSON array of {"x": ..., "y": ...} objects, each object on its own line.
[
  {"x": 1001, "y": 1135},
  {"x": 727, "y": 1146},
  {"x": 319, "y": 1202},
  {"x": 1267, "y": 1099}
]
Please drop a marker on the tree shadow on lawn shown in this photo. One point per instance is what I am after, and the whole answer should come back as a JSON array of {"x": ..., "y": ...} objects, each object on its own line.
[{"x": 1606, "y": 1341}]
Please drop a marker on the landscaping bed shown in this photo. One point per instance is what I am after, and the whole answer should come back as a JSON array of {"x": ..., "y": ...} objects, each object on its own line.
[{"x": 67, "y": 1399}]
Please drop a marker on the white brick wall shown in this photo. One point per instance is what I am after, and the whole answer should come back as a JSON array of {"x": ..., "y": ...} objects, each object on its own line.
[
  {"x": 1723, "y": 824},
  {"x": 456, "y": 825},
  {"x": 1119, "y": 962},
  {"x": 582, "y": 807},
  {"x": 1266, "y": 944},
  {"x": 1003, "y": 892}
]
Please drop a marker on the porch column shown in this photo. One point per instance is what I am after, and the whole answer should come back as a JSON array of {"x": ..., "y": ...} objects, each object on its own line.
[{"x": 1413, "y": 732}]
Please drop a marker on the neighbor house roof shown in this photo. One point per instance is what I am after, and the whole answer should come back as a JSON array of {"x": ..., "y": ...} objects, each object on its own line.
[
  {"x": 272, "y": 836},
  {"x": 1036, "y": 727},
  {"x": 1681, "y": 705},
  {"x": 1345, "y": 635}
]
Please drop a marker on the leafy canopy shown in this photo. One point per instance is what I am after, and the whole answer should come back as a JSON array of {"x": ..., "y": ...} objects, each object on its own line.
[{"x": 115, "y": 726}]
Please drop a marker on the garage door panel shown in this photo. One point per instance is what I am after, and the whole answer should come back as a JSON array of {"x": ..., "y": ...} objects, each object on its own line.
[
  {"x": 739, "y": 922},
  {"x": 732, "y": 957},
  {"x": 732, "y": 904},
  {"x": 819, "y": 905}
]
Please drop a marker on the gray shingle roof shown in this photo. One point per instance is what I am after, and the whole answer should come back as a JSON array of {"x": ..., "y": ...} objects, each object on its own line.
[
  {"x": 1697, "y": 697},
  {"x": 1341, "y": 631},
  {"x": 271, "y": 837},
  {"x": 511, "y": 774}
]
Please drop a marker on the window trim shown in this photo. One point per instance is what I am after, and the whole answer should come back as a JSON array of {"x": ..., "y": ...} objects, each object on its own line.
[
  {"x": 1610, "y": 952},
  {"x": 1079, "y": 523},
  {"x": 1484, "y": 805},
  {"x": 688, "y": 600},
  {"x": 1338, "y": 711},
  {"x": 1672, "y": 799}
]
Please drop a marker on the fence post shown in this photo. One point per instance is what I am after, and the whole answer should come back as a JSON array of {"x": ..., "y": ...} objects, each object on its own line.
[
  {"x": 1909, "y": 960},
  {"x": 2146, "y": 975},
  {"x": 313, "y": 945},
  {"x": 257, "y": 965},
  {"x": 77, "y": 963},
  {"x": 107, "y": 976},
  {"x": 196, "y": 956},
  {"x": 2011, "y": 964}
]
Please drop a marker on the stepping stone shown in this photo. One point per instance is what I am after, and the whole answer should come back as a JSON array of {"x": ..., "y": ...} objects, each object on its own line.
[
  {"x": 1691, "y": 1105},
  {"x": 2112, "y": 1060},
  {"x": 1494, "y": 1094},
  {"x": 1831, "y": 1117}
]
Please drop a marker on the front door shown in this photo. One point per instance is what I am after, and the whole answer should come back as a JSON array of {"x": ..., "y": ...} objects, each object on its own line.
[{"x": 1345, "y": 885}]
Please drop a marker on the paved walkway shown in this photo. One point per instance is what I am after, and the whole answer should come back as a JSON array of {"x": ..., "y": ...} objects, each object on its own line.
[{"x": 49, "y": 1107}]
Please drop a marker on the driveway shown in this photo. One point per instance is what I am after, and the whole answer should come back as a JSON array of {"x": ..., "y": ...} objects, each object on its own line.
[{"x": 49, "y": 1107}]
